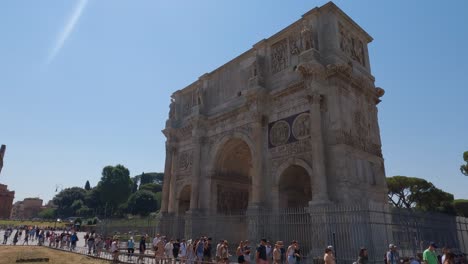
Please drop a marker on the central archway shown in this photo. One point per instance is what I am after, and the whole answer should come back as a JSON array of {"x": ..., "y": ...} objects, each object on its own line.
[{"x": 233, "y": 177}]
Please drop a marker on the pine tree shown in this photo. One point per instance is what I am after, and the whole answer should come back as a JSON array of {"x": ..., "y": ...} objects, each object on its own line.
[{"x": 87, "y": 186}]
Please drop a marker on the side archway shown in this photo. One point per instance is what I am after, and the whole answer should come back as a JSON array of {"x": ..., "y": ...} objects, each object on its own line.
[
  {"x": 294, "y": 184},
  {"x": 183, "y": 200}
]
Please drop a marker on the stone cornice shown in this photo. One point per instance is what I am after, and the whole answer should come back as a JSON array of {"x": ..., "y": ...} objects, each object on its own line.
[
  {"x": 290, "y": 89},
  {"x": 330, "y": 6}
]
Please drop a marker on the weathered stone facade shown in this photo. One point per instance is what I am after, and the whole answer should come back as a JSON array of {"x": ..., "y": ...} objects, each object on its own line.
[
  {"x": 292, "y": 122},
  {"x": 6, "y": 201}
]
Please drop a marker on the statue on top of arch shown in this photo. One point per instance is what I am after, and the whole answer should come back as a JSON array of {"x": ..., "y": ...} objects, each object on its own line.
[{"x": 2, "y": 154}]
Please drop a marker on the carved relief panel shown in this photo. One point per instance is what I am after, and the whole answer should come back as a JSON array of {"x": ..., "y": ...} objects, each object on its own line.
[
  {"x": 289, "y": 130},
  {"x": 351, "y": 45},
  {"x": 231, "y": 199},
  {"x": 185, "y": 161},
  {"x": 279, "y": 56}
]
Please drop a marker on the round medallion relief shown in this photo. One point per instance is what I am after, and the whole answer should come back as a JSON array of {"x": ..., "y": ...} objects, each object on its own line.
[
  {"x": 301, "y": 126},
  {"x": 279, "y": 133}
]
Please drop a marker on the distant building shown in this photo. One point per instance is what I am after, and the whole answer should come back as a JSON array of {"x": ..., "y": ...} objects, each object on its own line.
[
  {"x": 26, "y": 209},
  {"x": 6, "y": 201}
]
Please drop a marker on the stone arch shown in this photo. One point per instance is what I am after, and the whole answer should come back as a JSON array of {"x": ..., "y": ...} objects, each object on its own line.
[
  {"x": 216, "y": 149},
  {"x": 294, "y": 183},
  {"x": 183, "y": 199},
  {"x": 231, "y": 174}
]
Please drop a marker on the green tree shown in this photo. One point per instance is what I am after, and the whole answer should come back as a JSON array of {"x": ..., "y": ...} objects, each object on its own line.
[
  {"x": 159, "y": 199},
  {"x": 93, "y": 201},
  {"x": 142, "y": 202},
  {"x": 115, "y": 186},
  {"x": 84, "y": 211},
  {"x": 159, "y": 179},
  {"x": 48, "y": 213},
  {"x": 411, "y": 192},
  {"x": 87, "y": 186},
  {"x": 65, "y": 199},
  {"x": 150, "y": 177},
  {"x": 461, "y": 207},
  {"x": 464, "y": 167},
  {"x": 152, "y": 187}
]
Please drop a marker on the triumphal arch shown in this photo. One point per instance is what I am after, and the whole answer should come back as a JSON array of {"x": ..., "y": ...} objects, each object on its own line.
[{"x": 290, "y": 123}]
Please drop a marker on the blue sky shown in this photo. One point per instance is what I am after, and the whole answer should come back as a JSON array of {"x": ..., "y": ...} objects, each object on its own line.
[{"x": 85, "y": 84}]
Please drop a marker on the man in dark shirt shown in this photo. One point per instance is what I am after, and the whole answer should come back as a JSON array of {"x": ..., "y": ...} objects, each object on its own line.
[
  {"x": 175, "y": 248},
  {"x": 207, "y": 250},
  {"x": 261, "y": 255}
]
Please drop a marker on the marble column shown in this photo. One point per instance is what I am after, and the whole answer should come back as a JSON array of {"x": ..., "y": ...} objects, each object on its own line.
[
  {"x": 194, "y": 192},
  {"x": 319, "y": 179},
  {"x": 172, "y": 183},
  {"x": 314, "y": 73},
  {"x": 257, "y": 159},
  {"x": 167, "y": 178}
]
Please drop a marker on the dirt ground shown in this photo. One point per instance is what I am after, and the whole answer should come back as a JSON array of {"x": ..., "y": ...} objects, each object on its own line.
[{"x": 9, "y": 255}]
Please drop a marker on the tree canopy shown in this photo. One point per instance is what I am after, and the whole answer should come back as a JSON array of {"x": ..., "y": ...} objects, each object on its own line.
[
  {"x": 152, "y": 187},
  {"x": 115, "y": 185},
  {"x": 411, "y": 192},
  {"x": 461, "y": 207},
  {"x": 464, "y": 167},
  {"x": 65, "y": 200},
  {"x": 142, "y": 202}
]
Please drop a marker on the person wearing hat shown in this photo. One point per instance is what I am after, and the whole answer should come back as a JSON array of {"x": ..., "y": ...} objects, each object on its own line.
[
  {"x": 277, "y": 252},
  {"x": 429, "y": 255},
  {"x": 392, "y": 256}
]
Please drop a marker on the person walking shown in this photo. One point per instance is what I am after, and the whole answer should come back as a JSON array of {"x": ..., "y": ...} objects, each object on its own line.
[
  {"x": 449, "y": 258},
  {"x": 392, "y": 256},
  {"x": 183, "y": 251},
  {"x": 363, "y": 257},
  {"x": 290, "y": 257},
  {"x": 73, "y": 239},
  {"x": 176, "y": 249},
  {"x": 429, "y": 255},
  {"x": 277, "y": 252},
  {"x": 261, "y": 255},
  {"x": 26, "y": 237},
  {"x": 329, "y": 258},
  {"x": 91, "y": 240},
  {"x": 130, "y": 248},
  {"x": 240, "y": 253},
  {"x": 142, "y": 248}
]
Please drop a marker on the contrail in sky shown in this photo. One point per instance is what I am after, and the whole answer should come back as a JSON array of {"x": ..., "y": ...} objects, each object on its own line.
[{"x": 67, "y": 30}]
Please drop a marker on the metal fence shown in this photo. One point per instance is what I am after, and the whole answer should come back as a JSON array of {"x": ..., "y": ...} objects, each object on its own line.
[
  {"x": 130, "y": 227},
  {"x": 347, "y": 229}
]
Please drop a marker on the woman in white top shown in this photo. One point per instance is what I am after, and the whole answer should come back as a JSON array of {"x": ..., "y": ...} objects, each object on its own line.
[{"x": 168, "y": 249}]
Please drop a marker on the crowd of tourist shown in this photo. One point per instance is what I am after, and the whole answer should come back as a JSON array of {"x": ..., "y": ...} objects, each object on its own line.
[{"x": 200, "y": 250}]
